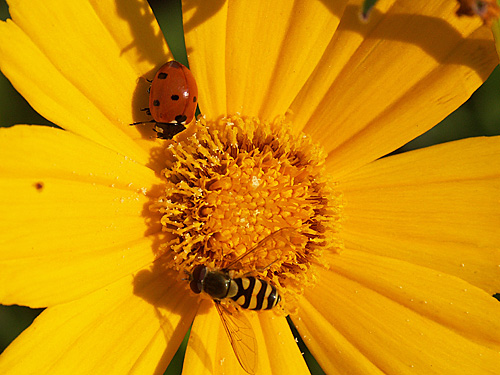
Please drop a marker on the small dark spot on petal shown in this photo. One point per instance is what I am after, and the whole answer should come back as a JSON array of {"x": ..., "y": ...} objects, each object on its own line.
[{"x": 38, "y": 185}]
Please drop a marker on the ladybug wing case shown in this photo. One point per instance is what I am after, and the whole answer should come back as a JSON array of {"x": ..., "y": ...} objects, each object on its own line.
[{"x": 173, "y": 96}]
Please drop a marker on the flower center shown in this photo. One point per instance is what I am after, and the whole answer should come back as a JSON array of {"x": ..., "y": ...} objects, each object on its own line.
[{"x": 236, "y": 185}]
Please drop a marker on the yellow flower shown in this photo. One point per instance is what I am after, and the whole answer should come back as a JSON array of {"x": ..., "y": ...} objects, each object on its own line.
[{"x": 391, "y": 262}]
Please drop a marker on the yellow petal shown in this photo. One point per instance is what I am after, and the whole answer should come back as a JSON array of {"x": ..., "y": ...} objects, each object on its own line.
[
  {"x": 209, "y": 350},
  {"x": 205, "y": 34},
  {"x": 495, "y": 28},
  {"x": 383, "y": 83},
  {"x": 436, "y": 207},
  {"x": 134, "y": 29},
  {"x": 72, "y": 216},
  {"x": 39, "y": 151},
  {"x": 267, "y": 58},
  {"x": 82, "y": 76},
  {"x": 279, "y": 346},
  {"x": 394, "y": 338},
  {"x": 445, "y": 299},
  {"x": 330, "y": 348},
  {"x": 133, "y": 326}
]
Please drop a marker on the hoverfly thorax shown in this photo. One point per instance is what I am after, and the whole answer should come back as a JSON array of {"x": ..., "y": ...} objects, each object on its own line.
[{"x": 215, "y": 283}]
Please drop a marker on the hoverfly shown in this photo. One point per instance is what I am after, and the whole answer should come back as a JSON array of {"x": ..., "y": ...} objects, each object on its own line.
[{"x": 249, "y": 292}]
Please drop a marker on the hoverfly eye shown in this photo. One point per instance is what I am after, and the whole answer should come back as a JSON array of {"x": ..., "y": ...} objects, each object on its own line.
[
  {"x": 195, "y": 286},
  {"x": 197, "y": 276}
]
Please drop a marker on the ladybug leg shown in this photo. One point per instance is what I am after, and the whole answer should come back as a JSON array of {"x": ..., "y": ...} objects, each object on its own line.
[
  {"x": 143, "y": 122},
  {"x": 148, "y": 112}
]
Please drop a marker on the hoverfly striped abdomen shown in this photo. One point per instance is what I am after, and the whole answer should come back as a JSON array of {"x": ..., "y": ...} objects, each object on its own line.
[{"x": 255, "y": 294}]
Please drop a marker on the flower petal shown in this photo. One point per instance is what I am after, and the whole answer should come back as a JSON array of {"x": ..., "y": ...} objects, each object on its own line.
[
  {"x": 396, "y": 339},
  {"x": 39, "y": 151},
  {"x": 85, "y": 78},
  {"x": 209, "y": 350},
  {"x": 267, "y": 59},
  {"x": 446, "y": 299},
  {"x": 330, "y": 348},
  {"x": 383, "y": 83},
  {"x": 436, "y": 207},
  {"x": 70, "y": 223},
  {"x": 133, "y": 326},
  {"x": 279, "y": 346},
  {"x": 135, "y": 31},
  {"x": 205, "y": 34}
]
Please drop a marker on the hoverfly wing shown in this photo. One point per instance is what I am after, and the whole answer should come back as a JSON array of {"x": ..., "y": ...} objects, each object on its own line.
[
  {"x": 267, "y": 251},
  {"x": 241, "y": 336}
]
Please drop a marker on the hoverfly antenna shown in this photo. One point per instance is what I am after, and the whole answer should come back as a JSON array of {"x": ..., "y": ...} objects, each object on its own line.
[{"x": 188, "y": 278}]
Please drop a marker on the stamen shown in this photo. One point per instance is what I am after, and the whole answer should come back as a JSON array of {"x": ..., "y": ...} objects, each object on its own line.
[{"x": 231, "y": 183}]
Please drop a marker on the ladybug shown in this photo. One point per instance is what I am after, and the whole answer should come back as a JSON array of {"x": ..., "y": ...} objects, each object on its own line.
[{"x": 173, "y": 99}]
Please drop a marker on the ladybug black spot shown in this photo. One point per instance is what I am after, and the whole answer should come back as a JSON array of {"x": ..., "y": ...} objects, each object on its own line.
[
  {"x": 194, "y": 99},
  {"x": 156, "y": 103},
  {"x": 162, "y": 75},
  {"x": 180, "y": 119},
  {"x": 174, "y": 97}
]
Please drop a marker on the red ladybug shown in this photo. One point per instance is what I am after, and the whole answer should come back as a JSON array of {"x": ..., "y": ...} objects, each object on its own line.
[{"x": 173, "y": 99}]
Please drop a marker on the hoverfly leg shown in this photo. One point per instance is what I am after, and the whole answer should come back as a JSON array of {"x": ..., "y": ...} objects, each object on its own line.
[
  {"x": 188, "y": 274},
  {"x": 262, "y": 269}
]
